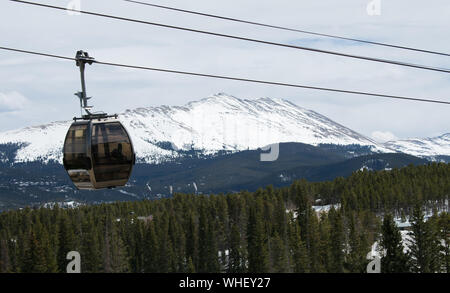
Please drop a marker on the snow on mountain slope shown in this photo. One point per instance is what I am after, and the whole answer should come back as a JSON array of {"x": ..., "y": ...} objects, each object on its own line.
[
  {"x": 435, "y": 146},
  {"x": 220, "y": 122},
  {"x": 41, "y": 143}
]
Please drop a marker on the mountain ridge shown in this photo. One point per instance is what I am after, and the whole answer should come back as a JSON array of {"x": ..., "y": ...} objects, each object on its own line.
[
  {"x": 220, "y": 122},
  {"x": 432, "y": 146}
]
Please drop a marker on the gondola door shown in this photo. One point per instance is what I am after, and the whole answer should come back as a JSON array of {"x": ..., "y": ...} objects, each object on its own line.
[
  {"x": 112, "y": 154},
  {"x": 76, "y": 159}
]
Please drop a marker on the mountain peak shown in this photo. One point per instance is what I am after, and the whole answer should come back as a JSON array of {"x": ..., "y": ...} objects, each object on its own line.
[
  {"x": 218, "y": 122},
  {"x": 432, "y": 146}
]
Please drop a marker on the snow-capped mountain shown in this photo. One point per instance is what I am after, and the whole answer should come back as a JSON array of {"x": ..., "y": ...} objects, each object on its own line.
[
  {"x": 219, "y": 122},
  {"x": 429, "y": 147}
]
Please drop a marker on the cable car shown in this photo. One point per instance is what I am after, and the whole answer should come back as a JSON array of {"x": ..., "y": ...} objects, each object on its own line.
[{"x": 98, "y": 152}]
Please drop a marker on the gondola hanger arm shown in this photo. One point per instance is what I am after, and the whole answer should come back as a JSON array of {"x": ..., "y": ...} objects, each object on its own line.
[{"x": 81, "y": 59}]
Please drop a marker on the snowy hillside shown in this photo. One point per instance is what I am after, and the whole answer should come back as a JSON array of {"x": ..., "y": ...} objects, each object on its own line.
[
  {"x": 219, "y": 122},
  {"x": 43, "y": 143},
  {"x": 223, "y": 122},
  {"x": 435, "y": 146}
]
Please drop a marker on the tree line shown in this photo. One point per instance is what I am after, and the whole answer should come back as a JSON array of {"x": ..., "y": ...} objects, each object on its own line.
[{"x": 269, "y": 230}]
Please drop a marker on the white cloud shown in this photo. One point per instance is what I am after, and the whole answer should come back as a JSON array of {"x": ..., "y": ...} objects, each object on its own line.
[
  {"x": 383, "y": 136},
  {"x": 12, "y": 101}
]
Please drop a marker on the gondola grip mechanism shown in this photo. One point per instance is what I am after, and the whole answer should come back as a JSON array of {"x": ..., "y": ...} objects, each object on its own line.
[{"x": 81, "y": 59}]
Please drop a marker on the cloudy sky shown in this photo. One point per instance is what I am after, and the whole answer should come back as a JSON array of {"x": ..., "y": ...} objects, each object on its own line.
[{"x": 36, "y": 90}]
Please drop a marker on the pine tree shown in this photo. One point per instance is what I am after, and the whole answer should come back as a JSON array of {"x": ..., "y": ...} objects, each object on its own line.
[
  {"x": 119, "y": 258},
  {"x": 336, "y": 241},
  {"x": 90, "y": 248},
  {"x": 444, "y": 225},
  {"x": 236, "y": 256},
  {"x": 190, "y": 266},
  {"x": 192, "y": 238},
  {"x": 35, "y": 259},
  {"x": 51, "y": 265},
  {"x": 166, "y": 261},
  {"x": 313, "y": 242},
  {"x": 4, "y": 256},
  {"x": 203, "y": 233},
  {"x": 212, "y": 251},
  {"x": 257, "y": 247},
  {"x": 66, "y": 240},
  {"x": 394, "y": 260},
  {"x": 434, "y": 243},
  {"x": 422, "y": 242},
  {"x": 297, "y": 246},
  {"x": 358, "y": 246},
  {"x": 279, "y": 255},
  {"x": 324, "y": 244},
  {"x": 151, "y": 248}
]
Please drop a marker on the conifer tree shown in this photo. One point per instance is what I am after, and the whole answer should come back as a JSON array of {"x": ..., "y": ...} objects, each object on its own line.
[
  {"x": 212, "y": 251},
  {"x": 299, "y": 254},
  {"x": 34, "y": 259},
  {"x": 192, "y": 238},
  {"x": 279, "y": 255},
  {"x": 119, "y": 258},
  {"x": 4, "y": 256},
  {"x": 444, "y": 225},
  {"x": 422, "y": 242},
  {"x": 51, "y": 265},
  {"x": 66, "y": 242},
  {"x": 151, "y": 249},
  {"x": 258, "y": 261},
  {"x": 336, "y": 241},
  {"x": 434, "y": 243},
  {"x": 236, "y": 256},
  {"x": 203, "y": 231},
  {"x": 90, "y": 248},
  {"x": 393, "y": 260},
  {"x": 313, "y": 242},
  {"x": 190, "y": 266},
  {"x": 324, "y": 245}
]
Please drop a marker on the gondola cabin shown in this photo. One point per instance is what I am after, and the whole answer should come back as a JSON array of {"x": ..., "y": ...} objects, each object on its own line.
[{"x": 98, "y": 153}]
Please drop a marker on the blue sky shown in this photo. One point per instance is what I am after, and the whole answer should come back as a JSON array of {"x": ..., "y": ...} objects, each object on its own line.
[{"x": 36, "y": 90}]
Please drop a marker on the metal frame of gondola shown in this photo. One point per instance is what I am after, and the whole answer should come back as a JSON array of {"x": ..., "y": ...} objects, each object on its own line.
[{"x": 82, "y": 58}]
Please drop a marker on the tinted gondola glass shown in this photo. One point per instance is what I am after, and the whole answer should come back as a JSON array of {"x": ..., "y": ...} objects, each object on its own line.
[
  {"x": 98, "y": 154},
  {"x": 111, "y": 152}
]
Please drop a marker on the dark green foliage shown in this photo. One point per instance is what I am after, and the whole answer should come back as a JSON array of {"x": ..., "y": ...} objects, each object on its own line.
[
  {"x": 425, "y": 246},
  {"x": 237, "y": 255},
  {"x": 270, "y": 230},
  {"x": 444, "y": 224},
  {"x": 394, "y": 260},
  {"x": 213, "y": 174},
  {"x": 337, "y": 241},
  {"x": 258, "y": 261},
  {"x": 358, "y": 244},
  {"x": 299, "y": 259}
]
